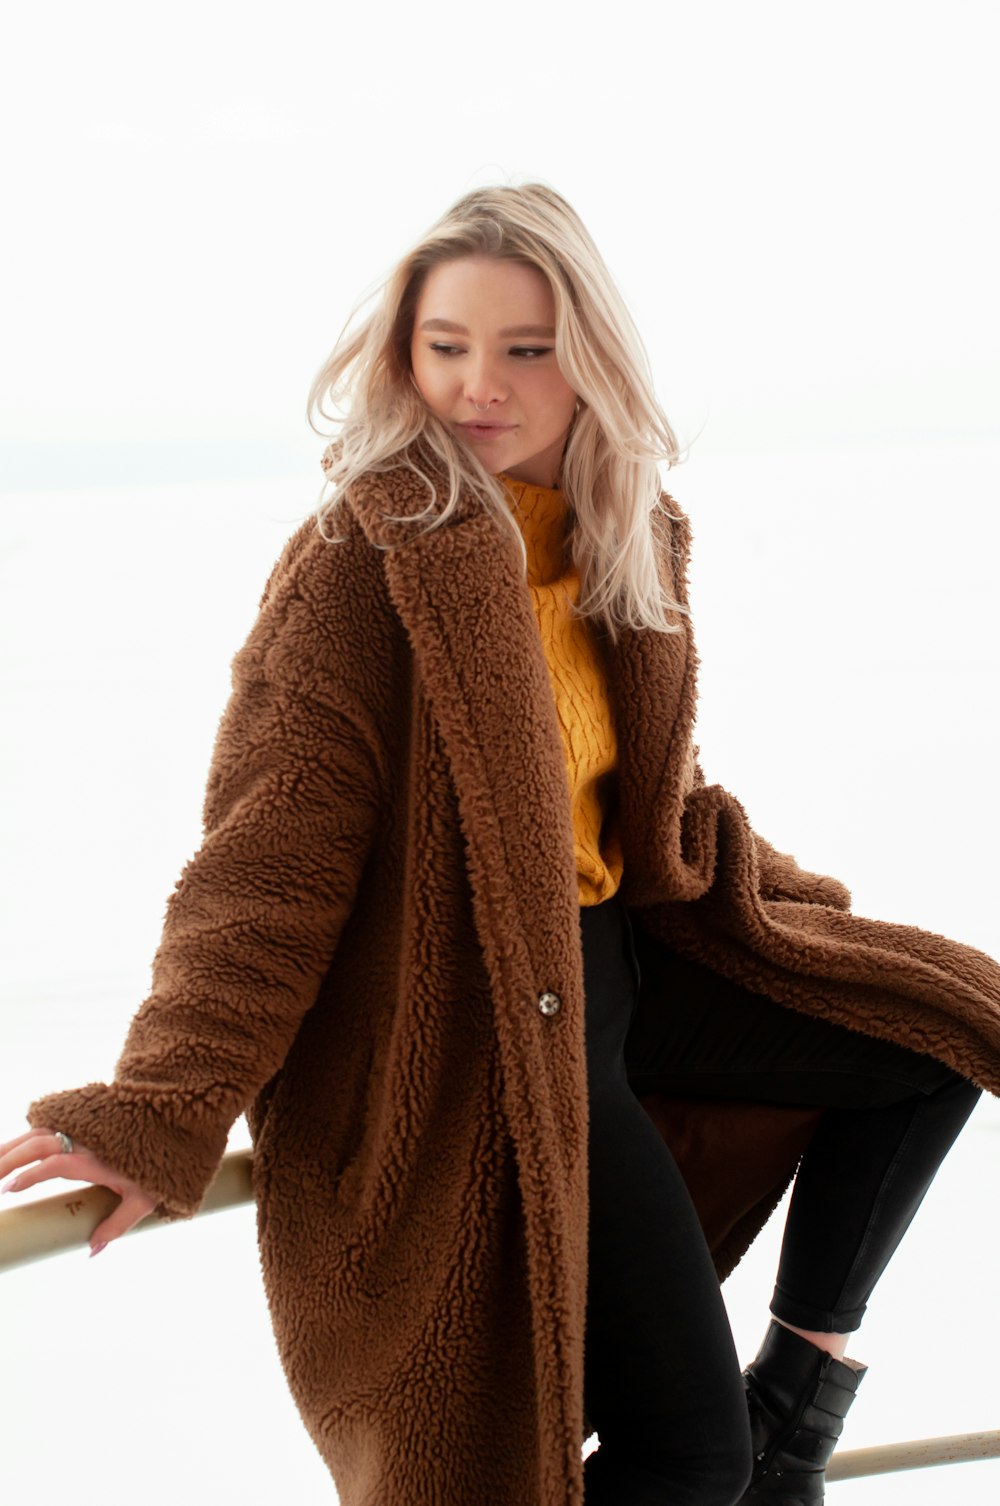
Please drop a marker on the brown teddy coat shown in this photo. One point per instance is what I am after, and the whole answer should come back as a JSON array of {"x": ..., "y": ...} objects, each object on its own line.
[{"x": 357, "y": 956}]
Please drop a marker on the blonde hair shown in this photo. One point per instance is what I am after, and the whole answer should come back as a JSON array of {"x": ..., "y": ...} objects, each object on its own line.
[{"x": 610, "y": 467}]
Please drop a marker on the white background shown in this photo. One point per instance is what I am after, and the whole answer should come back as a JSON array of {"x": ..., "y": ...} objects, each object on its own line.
[{"x": 798, "y": 204}]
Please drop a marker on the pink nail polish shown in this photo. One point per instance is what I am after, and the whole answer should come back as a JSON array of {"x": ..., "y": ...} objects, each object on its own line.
[
  {"x": 7, "y": 1185},
  {"x": 96, "y": 1249}
]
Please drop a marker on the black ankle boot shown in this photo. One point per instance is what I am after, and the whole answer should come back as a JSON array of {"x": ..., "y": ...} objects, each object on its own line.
[{"x": 798, "y": 1398}]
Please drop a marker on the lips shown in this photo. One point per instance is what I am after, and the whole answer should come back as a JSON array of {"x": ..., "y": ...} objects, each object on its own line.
[{"x": 486, "y": 431}]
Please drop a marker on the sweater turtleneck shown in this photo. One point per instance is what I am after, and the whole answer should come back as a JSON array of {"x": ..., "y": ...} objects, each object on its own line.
[{"x": 579, "y": 685}]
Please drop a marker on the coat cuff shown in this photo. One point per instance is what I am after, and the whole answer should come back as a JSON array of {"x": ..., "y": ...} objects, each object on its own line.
[
  {"x": 781, "y": 878},
  {"x": 171, "y": 1161}
]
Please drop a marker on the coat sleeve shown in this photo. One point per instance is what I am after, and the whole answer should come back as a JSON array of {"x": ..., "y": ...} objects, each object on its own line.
[
  {"x": 782, "y": 878},
  {"x": 779, "y": 875},
  {"x": 290, "y": 809}
]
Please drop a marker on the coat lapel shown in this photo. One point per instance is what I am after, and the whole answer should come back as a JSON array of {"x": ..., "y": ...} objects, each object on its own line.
[{"x": 459, "y": 593}]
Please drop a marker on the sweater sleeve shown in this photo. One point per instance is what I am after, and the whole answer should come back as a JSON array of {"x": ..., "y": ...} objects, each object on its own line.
[{"x": 290, "y": 809}]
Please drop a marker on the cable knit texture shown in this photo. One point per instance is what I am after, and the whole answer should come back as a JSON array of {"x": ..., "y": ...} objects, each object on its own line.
[
  {"x": 387, "y": 885},
  {"x": 579, "y": 685}
]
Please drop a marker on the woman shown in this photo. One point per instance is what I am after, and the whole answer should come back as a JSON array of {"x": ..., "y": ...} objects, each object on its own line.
[{"x": 530, "y": 1027}]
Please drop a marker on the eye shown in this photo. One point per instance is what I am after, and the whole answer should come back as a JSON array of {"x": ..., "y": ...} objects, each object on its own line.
[{"x": 522, "y": 352}]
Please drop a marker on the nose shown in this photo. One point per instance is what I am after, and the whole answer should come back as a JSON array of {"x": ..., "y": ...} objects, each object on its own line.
[{"x": 483, "y": 386}]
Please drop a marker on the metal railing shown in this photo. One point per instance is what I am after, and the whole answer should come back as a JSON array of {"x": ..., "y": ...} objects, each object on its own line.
[{"x": 53, "y": 1225}]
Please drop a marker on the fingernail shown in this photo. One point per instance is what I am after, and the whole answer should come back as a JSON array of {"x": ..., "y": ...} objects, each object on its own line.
[
  {"x": 96, "y": 1249},
  {"x": 7, "y": 1185}
]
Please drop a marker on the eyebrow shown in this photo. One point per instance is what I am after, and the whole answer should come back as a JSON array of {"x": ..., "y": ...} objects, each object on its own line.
[{"x": 546, "y": 331}]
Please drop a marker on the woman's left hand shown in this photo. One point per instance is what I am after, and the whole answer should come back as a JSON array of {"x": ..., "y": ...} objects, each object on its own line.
[{"x": 45, "y": 1149}]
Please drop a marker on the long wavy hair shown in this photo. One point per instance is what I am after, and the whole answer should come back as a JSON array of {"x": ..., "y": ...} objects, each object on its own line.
[{"x": 619, "y": 435}]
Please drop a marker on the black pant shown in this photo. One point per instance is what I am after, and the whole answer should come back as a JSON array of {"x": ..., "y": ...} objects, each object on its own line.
[{"x": 663, "y": 1387}]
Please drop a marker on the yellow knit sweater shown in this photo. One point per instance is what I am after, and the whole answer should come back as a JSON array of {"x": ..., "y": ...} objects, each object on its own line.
[{"x": 579, "y": 684}]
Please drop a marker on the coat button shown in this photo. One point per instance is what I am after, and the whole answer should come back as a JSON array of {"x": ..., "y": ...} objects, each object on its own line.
[{"x": 549, "y": 1004}]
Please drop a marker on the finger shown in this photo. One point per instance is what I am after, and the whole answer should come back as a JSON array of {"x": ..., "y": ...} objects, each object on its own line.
[
  {"x": 38, "y": 1132},
  {"x": 130, "y": 1211},
  {"x": 48, "y": 1166},
  {"x": 27, "y": 1147},
  {"x": 20, "y": 1139},
  {"x": 30, "y": 1150}
]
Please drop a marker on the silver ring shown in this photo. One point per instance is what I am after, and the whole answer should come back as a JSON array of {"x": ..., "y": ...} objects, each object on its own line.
[{"x": 65, "y": 1143}]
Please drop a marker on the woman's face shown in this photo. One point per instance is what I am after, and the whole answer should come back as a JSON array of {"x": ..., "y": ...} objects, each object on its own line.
[{"x": 484, "y": 333}]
